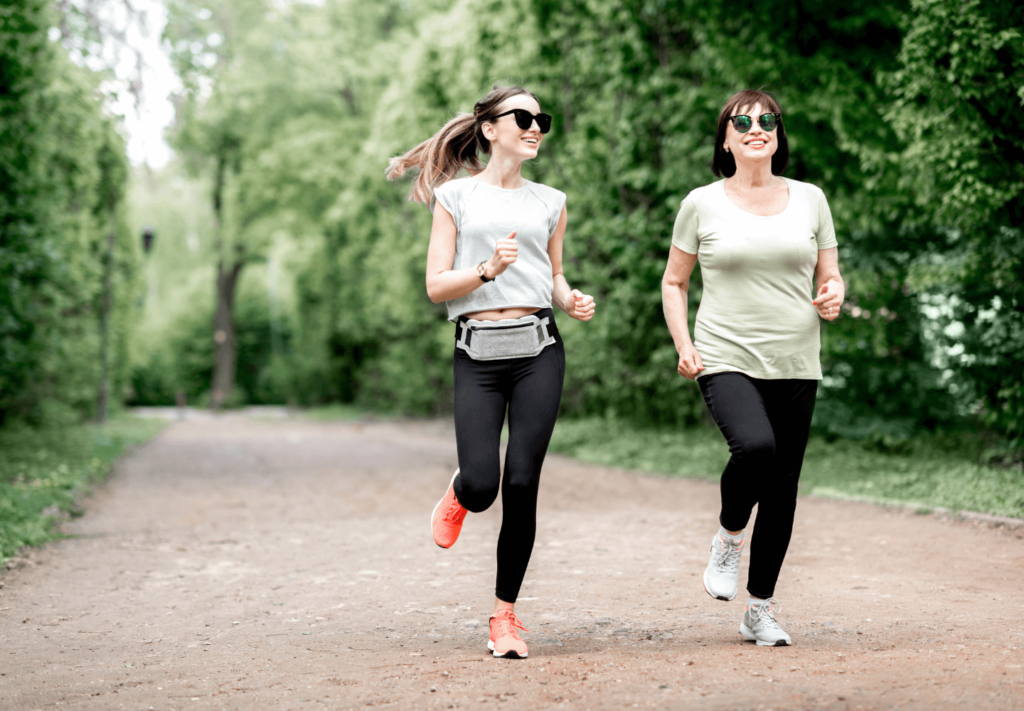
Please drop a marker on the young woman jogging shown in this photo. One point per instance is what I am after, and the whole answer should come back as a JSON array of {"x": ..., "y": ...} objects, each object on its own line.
[
  {"x": 761, "y": 239},
  {"x": 495, "y": 257}
]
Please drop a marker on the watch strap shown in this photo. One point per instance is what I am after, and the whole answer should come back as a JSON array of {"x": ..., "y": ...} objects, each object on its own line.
[{"x": 481, "y": 272}]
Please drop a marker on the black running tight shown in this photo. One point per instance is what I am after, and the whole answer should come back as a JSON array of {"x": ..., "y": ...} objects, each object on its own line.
[
  {"x": 530, "y": 389},
  {"x": 766, "y": 423}
]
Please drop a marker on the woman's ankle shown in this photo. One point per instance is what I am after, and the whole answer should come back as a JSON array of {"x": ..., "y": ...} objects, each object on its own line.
[{"x": 500, "y": 605}]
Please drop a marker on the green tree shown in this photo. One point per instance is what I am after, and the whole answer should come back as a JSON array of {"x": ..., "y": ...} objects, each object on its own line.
[
  {"x": 301, "y": 106},
  {"x": 113, "y": 166},
  {"x": 637, "y": 87},
  {"x": 278, "y": 131},
  {"x": 956, "y": 99},
  {"x": 28, "y": 208},
  {"x": 59, "y": 166}
]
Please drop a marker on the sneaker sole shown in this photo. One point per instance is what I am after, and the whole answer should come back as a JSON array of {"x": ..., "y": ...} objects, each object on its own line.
[
  {"x": 707, "y": 589},
  {"x": 748, "y": 634},
  {"x": 435, "y": 509},
  {"x": 510, "y": 654}
]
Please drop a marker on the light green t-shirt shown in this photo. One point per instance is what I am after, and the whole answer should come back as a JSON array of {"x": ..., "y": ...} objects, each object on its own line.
[{"x": 755, "y": 315}]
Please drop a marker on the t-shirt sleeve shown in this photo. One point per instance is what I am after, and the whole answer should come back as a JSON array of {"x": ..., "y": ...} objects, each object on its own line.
[
  {"x": 447, "y": 195},
  {"x": 684, "y": 233},
  {"x": 826, "y": 232}
]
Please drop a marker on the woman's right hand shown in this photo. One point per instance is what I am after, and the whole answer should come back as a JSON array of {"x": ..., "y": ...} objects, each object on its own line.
[
  {"x": 505, "y": 253},
  {"x": 690, "y": 363}
]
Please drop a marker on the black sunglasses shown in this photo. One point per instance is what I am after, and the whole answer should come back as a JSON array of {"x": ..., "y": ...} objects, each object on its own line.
[
  {"x": 769, "y": 122},
  {"x": 524, "y": 119}
]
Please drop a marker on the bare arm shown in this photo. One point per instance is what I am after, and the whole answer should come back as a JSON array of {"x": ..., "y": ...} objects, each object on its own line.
[
  {"x": 831, "y": 289},
  {"x": 572, "y": 301},
  {"x": 675, "y": 286},
  {"x": 445, "y": 283}
]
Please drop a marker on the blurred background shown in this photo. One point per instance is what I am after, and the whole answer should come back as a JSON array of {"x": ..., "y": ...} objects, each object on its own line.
[{"x": 252, "y": 252}]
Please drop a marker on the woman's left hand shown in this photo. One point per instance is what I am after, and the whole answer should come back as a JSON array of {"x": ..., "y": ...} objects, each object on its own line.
[
  {"x": 829, "y": 300},
  {"x": 581, "y": 306}
]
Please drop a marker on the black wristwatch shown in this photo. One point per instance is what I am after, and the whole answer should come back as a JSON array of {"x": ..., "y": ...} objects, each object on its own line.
[{"x": 481, "y": 271}]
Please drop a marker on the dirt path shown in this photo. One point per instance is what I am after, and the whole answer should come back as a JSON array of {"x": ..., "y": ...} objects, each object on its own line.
[{"x": 241, "y": 563}]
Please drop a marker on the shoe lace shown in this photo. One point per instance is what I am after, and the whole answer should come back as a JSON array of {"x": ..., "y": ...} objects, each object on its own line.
[
  {"x": 455, "y": 511},
  {"x": 766, "y": 615},
  {"x": 728, "y": 556},
  {"x": 507, "y": 624}
]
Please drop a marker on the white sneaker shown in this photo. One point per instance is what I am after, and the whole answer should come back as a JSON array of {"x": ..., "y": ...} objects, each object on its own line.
[
  {"x": 722, "y": 576},
  {"x": 759, "y": 625}
]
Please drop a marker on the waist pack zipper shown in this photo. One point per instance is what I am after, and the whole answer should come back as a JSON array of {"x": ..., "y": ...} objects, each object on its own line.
[{"x": 498, "y": 328}]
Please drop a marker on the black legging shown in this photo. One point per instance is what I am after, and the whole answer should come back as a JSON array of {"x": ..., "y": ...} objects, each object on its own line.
[
  {"x": 531, "y": 390},
  {"x": 766, "y": 423}
]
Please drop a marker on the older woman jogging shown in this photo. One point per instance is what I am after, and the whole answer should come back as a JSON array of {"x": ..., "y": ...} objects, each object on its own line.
[{"x": 770, "y": 269}]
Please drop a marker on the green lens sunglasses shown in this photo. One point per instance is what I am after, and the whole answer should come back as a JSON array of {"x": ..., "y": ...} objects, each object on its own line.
[{"x": 769, "y": 122}]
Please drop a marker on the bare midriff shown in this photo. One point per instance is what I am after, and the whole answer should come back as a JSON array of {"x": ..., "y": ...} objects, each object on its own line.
[{"x": 501, "y": 314}]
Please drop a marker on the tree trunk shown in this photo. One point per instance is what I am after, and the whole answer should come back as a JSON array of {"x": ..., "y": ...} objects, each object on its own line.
[
  {"x": 225, "y": 346},
  {"x": 108, "y": 294},
  {"x": 224, "y": 342}
]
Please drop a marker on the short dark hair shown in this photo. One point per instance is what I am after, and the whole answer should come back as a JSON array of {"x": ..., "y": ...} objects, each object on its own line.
[{"x": 723, "y": 163}]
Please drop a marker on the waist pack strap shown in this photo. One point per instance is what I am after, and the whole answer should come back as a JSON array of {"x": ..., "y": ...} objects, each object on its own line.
[
  {"x": 465, "y": 335},
  {"x": 543, "y": 334}
]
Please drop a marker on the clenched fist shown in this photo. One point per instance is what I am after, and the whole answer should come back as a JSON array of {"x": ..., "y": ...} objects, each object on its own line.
[
  {"x": 506, "y": 251},
  {"x": 581, "y": 306},
  {"x": 690, "y": 363}
]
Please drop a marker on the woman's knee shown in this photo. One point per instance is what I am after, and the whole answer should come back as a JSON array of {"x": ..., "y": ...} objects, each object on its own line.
[
  {"x": 476, "y": 493},
  {"x": 522, "y": 472},
  {"x": 754, "y": 446},
  {"x": 521, "y": 488}
]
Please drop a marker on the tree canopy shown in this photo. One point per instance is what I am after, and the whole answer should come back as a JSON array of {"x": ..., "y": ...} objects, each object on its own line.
[{"x": 899, "y": 110}]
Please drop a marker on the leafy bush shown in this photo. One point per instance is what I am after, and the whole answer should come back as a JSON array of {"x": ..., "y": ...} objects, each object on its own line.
[{"x": 63, "y": 171}]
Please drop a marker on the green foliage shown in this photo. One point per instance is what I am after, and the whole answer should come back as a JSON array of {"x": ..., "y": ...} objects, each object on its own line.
[
  {"x": 179, "y": 357},
  {"x": 955, "y": 98},
  {"x": 336, "y": 412},
  {"x": 62, "y": 174},
  {"x": 923, "y": 471},
  {"x": 43, "y": 472},
  {"x": 959, "y": 83},
  {"x": 900, "y": 111}
]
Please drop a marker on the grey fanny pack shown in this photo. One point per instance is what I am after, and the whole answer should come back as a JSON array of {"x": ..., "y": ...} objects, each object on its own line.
[{"x": 510, "y": 338}]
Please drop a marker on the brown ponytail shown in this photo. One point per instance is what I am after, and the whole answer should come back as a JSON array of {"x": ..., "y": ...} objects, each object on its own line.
[{"x": 454, "y": 147}]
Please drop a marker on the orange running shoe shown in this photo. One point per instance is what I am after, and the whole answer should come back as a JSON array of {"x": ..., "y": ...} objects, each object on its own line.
[
  {"x": 446, "y": 521},
  {"x": 505, "y": 640}
]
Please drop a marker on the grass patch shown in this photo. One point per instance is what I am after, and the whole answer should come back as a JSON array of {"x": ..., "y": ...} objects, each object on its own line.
[
  {"x": 922, "y": 472},
  {"x": 696, "y": 452},
  {"x": 44, "y": 471},
  {"x": 329, "y": 413}
]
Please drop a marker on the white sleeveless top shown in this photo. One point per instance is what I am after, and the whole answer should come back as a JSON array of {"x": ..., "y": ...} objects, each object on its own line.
[{"x": 484, "y": 214}]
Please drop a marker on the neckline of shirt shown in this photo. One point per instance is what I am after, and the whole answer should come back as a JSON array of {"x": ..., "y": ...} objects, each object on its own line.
[
  {"x": 734, "y": 206},
  {"x": 504, "y": 190}
]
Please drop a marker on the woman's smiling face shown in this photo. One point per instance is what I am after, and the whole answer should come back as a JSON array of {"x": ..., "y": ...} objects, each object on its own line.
[
  {"x": 505, "y": 135},
  {"x": 756, "y": 144}
]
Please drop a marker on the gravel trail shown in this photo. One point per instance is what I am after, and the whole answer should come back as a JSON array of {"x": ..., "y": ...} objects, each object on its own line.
[{"x": 269, "y": 562}]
